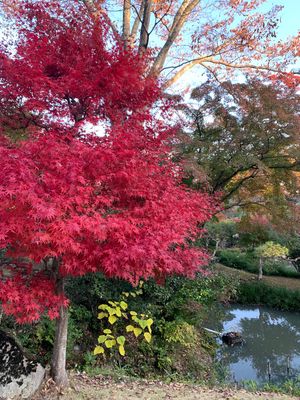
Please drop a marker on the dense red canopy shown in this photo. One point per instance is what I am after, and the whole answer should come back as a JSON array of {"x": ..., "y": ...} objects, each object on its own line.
[{"x": 112, "y": 203}]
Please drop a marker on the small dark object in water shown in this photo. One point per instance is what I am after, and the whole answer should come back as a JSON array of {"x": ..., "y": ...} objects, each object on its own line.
[{"x": 232, "y": 338}]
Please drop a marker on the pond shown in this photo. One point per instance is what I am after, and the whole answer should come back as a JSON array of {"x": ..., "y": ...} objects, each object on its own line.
[{"x": 271, "y": 348}]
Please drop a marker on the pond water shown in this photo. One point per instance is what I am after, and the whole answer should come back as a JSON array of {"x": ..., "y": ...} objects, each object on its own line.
[{"x": 271, "y": 338}]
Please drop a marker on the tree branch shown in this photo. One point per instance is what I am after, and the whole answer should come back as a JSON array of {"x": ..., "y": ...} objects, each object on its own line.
[
  {"x": 137, "y": 21},
  {"x": 180, "y": 18},
  {"x": 96, "y": 11},
  {"x": 239, "y": 184},
  {"x": 187, "y": 65}
]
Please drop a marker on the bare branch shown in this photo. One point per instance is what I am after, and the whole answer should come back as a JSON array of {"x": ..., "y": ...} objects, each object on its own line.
[
  {"x": 180, "y": 18},
  {"x": 96, "y": 11},
  {"x": 161, "y": 19},
  {"x": 243, "y": 66},
  {"x": 137, "y": 21},
  {"x": 187, "y": 65}
]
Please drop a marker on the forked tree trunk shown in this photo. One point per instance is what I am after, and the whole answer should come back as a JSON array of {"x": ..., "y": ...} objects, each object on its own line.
[
  {"x": 58, "y": 361},
  {"x": 260, "y": 270}
]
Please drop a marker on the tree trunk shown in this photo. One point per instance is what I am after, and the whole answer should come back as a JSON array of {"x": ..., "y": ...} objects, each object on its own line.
[
  {"x": 260, "y": 270},
  {"x": 126, "y": 22},
  {"x": 216, "y": 248},
  {"x": 58, "y": 361},
  {"x": 144, "y": 38}
]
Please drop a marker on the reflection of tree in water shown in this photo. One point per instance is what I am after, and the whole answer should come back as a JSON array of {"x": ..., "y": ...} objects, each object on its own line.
[
  {"x": 268, "y": 337},
  {"x": 220, "y": 315}
]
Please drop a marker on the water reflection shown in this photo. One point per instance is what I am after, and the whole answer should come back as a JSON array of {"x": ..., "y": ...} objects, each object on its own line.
[{"x": 269, "y": 335}]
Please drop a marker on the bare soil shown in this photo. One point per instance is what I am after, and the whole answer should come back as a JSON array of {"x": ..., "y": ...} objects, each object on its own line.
[{"x": 83, "y": 387}]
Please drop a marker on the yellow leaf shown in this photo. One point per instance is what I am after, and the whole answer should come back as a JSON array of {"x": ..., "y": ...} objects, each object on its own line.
[
  {"x": 112, "y": 303},
  {"x": 149, "y": 322},
  {"x": 122, "y": 350},
  {"x": 126, "y": 294},
  {"x": 103, "y": 307},
  {"x": 121, "y": 340},
  {"x": 141, "y": 283},
  {"x": 107, "y": 331},
  {"x": 101, "y": 339},
  {"x": 112, "y": 319},
  {"x": 132, "y": 312},
  {"x": 98, "y": 350},
  {"x": 129, "y": 328},
  {"x": 147, "y": 337},
  {"x": 142, "y": 323},
  {"x": 133, "y": 294},
  {"x": 111, "y": 311},
  {"x": 102, "y": 315},
  {"x": 118, "y": 312},
  {"x": 137, "y": 331},
  {"x": 110, "y": 343},
  {"x": 123, "y": 305}
]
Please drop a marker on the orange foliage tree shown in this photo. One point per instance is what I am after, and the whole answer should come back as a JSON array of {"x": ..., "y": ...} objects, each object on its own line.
[{"x": 218, "y": 35}]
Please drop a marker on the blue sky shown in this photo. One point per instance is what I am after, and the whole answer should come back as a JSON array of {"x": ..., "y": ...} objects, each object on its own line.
[
  {"x": 290, "y": 16},
  {"x": 288, "y": 26}
]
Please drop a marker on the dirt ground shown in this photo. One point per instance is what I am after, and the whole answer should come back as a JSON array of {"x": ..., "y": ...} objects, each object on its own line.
[{"x": 83, "y": 387}]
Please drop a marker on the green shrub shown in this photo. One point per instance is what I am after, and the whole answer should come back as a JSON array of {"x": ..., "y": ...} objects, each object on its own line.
[
  {"x": 180, "y": 332},
  {"x": 236, "y": 259},
  {"x": 280, "y": 268},
  {"x": 249, "y": 261},
  {"x": 178, "y": 308},
  {"x": 262, "y": 294}
]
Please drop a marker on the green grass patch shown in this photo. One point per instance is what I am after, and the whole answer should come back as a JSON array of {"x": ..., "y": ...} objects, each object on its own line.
[{"x": 248, "y": 261}]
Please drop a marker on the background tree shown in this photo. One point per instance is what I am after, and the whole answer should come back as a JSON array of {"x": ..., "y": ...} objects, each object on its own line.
[
  {"x": 219, "y": 36},
  {"x": 245, "y": 144},
  {"x": 221, "y": 234},
  {"x": 270, "y": 250},
  {"x": 73, "y": 202}
]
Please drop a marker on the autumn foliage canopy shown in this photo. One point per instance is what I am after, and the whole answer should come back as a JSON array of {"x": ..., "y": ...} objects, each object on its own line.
[{"x": 111, "y": 202}]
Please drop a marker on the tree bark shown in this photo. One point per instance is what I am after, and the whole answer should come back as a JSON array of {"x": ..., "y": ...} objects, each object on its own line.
[
  {"x": 180, "y": 19},
  {"x": 58, "y": 361},
  {"x": 260, "y": 270},
  {"x": 126, "y": 22},
  {"x": 216, "y": 248},
  {"x": 144, "y": 38},
  {"x": 137, "y": 23}
]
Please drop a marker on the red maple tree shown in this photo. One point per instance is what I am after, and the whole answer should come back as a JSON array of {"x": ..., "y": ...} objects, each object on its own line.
[{"x": 73, "y": 202}]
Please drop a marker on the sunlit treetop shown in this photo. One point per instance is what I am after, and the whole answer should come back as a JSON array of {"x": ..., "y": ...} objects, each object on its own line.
[{"x": 221, "y": 36}]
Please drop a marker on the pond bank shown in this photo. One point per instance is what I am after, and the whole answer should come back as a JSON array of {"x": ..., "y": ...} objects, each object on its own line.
[{"x": 83, "y": 387}]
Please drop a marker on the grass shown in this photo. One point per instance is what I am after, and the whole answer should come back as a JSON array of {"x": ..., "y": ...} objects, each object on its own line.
[
  {"x": 273, "y": 281},
  {"x": 236, "y": 258},
  {"x": 276, "y": 292}
]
